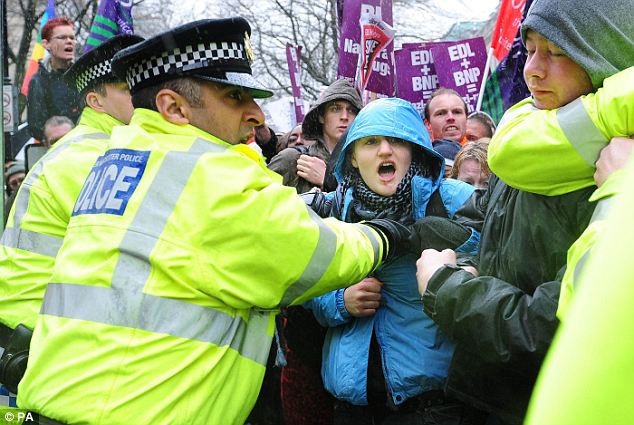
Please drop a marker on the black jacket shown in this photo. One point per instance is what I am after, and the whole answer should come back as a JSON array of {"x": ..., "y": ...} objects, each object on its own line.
[
  {"x": 49, "y": 95},
  {"x": 503, "y": 322}
]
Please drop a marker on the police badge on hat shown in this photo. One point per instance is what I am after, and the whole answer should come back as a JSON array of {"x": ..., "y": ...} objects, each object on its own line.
[
  {"x": 95, "y": 66},
  {"x": 216, "y": 50}
]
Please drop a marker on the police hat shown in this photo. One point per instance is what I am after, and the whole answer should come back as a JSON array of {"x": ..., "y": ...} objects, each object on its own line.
[
  {"x": 216, "y": 50},
  {"x": 94, "y": 67}
]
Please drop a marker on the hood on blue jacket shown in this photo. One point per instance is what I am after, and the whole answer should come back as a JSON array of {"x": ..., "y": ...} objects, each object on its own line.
[{"x": 393, "y": 117}]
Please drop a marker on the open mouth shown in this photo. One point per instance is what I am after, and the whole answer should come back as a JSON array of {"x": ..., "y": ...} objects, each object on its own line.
[
  {"x": 451, "y": 128},
  {"x": 387, "y": 171}
]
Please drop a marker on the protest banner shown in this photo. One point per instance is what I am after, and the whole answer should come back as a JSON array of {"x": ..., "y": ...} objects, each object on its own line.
[
  {"x": 460, "y": 66},
  {"x": 381, "y": 80}
]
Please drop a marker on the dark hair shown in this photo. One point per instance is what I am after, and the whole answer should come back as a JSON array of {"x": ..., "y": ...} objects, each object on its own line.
[
  {"x": 187, "y": 87},
  {"x": 484, "y": 119},
  {"x": 51, "y": 24},
  {"x": 99, "y": 88},
  {"x": 440, "y": 91}
]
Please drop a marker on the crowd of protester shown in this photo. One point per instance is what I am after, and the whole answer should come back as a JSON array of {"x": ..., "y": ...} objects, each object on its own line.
[{"x": 458, "y": 244}]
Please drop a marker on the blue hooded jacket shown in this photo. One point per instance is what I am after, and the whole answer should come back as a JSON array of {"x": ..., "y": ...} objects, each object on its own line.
[{"x": 415, "y": 354}]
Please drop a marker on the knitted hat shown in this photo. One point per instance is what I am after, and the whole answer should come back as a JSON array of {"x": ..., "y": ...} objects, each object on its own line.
[
  {"x": 339, "y": 90},
  {"x": 216, "y": 50},
  {"x": 597, "y": 34},
  {"x": 16, "y": 167},
  {"x": 94, "y": 67}
]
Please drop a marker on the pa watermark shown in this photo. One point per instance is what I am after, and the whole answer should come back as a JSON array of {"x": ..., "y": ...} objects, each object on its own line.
[{"x": 14, "y": 416}]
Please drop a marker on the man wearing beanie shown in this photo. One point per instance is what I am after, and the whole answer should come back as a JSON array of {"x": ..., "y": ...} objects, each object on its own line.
[
  {"x": 507, "y": 316},
  {"x": 328, "y": 118},
  {"x": 39, "y": 217},
  {"x": 161, "y": 307}
]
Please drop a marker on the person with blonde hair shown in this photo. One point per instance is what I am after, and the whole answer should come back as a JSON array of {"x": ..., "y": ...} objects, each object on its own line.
[{"x": 471, "y": 165}]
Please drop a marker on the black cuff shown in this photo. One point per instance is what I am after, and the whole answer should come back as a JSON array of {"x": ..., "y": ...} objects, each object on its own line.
[{"x": 436, "y": 281}]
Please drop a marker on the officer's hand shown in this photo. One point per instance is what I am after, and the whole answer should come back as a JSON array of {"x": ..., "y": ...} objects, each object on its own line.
[
  {"x": 311, "y": 169},
  {"x": 613, "y": 157},
  {"x": 363, "y": 298},
  {"x": 398, "y": 235},
  {"x": 437, "y": 233},
  {"x": 430, "y": 261}
]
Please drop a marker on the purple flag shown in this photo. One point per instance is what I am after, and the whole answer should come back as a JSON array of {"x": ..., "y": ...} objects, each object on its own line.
[
  {"x": 113, "y": 17},
  {"x": 382, "y": 78},
  {"x": 460, "y": 66},
  {"x": 293, "y": 56}
]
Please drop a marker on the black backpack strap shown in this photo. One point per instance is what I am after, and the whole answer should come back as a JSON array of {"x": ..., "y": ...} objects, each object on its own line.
[{"x": 435, "y": 206}]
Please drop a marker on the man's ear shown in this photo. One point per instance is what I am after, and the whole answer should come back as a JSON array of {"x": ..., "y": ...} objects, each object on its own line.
[
  {"x": 427, "y": 125},
  {"x": 173, "y": 107},
  {"x": 45, "y": 43},
  {"x": 93, "y": 99}
]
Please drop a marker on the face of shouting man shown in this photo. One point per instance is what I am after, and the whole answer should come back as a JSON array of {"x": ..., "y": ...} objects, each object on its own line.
[{"x": 447, "y": 117}]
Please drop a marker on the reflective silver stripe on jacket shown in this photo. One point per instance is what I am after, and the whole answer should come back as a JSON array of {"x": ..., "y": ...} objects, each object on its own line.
[
  {"x": 580, "y": 131},
  {"x": 125, "y": 304},
  {"x": 319, "y": 261},
  {"x": 600, "y": 213},
  {"x": 39, "y": 243},
  {"x": 376, "y": 245}
]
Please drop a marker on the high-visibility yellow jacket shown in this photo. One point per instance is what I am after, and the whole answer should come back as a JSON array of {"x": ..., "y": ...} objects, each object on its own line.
[
  {"x": 579, "y": 251},
  {"x": 180, "y": 251},
  {"x": 552, "y": 152},
  {"x": 588, "y": 374},
  {"x": 39, "y": 217}
]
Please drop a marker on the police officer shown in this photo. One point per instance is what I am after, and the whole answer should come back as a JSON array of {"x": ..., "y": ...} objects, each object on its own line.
[
  {"x": 40, "y": 214},
  {"x": 587, "y": 376},
  {"x": 182, "y": 248}
]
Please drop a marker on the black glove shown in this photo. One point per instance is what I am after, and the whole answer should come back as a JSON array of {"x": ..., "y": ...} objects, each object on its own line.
[
  {"x": 396, "y": 235},
  {"x": 438, "y": 233}
]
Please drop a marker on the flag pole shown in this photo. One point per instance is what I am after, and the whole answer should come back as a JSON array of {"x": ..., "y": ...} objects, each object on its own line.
[{"x": 484, "y": 80}]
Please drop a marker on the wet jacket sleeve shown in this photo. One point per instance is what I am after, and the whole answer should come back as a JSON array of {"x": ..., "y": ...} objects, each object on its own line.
[
  {"x": 552, "y": 152},
  {"x": 495, "y": 319},
  {"x": 285, "y": 164},
  {"x": 36, "y": 110}
]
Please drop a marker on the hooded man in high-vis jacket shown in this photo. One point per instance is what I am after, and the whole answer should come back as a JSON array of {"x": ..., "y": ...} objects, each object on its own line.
[
  {"x": 504, "y": 320},
  {"x": 576, "y": 133},
  {"x": 40, "y": 214},
  {"x": 161, "y": 305}
]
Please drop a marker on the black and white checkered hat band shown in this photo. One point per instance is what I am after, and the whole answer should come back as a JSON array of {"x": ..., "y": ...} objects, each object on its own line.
[
  {"x": 95, "y": 72},
  {"x": 187, "y": 59}
]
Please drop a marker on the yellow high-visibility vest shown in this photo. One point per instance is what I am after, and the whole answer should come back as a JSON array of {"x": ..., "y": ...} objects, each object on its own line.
[
  {"x": 180, "y": 251},
  {"x": 40, "y": 214}
]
